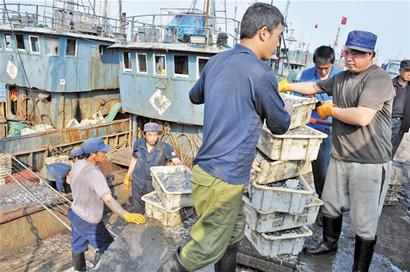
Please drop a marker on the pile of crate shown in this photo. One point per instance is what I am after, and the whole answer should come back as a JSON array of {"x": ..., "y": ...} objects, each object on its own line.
[
  {"x": 5, "y": 167},
  {"x": 171, "y": 202},
  {"x": 279, "y": 203}
]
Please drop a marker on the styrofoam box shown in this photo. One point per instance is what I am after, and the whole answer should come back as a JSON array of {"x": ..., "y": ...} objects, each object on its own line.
[
  {"x": 280, "y": 199},
  {"x": 155, "y": 209},
  {"x": 271, "y": 171},
  {"x": 276, "y": 246},
  {"x": 300, "y": 109},
  {"x": 291, "y": 146},
  {"x": 274, "y": 221},
  {"x": 175, "y": 199}
]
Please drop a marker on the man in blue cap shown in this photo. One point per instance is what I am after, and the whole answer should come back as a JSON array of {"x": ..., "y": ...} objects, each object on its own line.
[
  {"x": 359, "y": 169},
  {"x": 147, "y": 152},
  {"x": 90, "y": 192}
]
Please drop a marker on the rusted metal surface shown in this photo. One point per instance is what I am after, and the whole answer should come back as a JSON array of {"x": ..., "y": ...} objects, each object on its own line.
[{"x": 32, "y": 149}]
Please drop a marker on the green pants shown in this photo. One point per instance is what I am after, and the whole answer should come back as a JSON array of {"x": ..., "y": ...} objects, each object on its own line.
[{"x": 221, "y": 222}]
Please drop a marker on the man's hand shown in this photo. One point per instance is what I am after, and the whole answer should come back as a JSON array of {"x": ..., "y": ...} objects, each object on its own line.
[
  {"x": 325, "y": 109},
  {"x": 127, "y": 183},
  {"x": 136, "y": 218},
  {"x": 283, "y": 85}
]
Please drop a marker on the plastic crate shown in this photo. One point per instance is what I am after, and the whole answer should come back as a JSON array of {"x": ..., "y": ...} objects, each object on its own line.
[
  {"x": 155, "y": 209},
  {"x": 58, "y": 158},
  {"x": 280, "y": 199},
  {"x": 172, "y": 199},
  {"x": 300, "y": 109},
  {"x": 301, "y": 143},
  {"x": 267, "y": 171},
  {"x": 274, "y": 221},
  {"x": 277, "y": 246},
  {"x": 5, "y": 167}
]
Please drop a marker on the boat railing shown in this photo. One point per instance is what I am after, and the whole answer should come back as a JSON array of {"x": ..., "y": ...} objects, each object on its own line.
[
  {"x": 78, "y": 19},
  {"x": 183, "y": 27}
]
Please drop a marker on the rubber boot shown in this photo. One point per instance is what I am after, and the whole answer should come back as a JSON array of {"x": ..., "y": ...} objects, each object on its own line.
[
  {"x": 228, "y": 261},
  {"x": 332, "y": 227},
  {"x": 173, "y": 264},
  {"x": 363, "y": 253},
  {"x": 79, "y": 261},
  {"x": 97, "y": 257}
]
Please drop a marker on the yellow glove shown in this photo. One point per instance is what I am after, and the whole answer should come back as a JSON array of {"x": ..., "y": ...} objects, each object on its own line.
[
  {"x": 325, "y": 109},
  {"x": 127, "y": 183},
  {"x": 283, "y": 86},
  {"x": 136, "y": 218}
]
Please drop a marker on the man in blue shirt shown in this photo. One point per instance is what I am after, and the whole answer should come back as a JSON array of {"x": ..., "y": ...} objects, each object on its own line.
[
  {"x": 323, "y": 58},
  {"x": 147, "y": 152},
  {"x": 239, "y": 91}
]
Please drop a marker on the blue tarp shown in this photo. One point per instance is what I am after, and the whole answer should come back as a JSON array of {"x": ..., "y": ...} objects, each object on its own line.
[{"x": 191, "y": 24}]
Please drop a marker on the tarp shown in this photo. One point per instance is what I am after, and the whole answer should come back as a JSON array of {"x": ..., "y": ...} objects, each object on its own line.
[{"x": 187, "y": 24}]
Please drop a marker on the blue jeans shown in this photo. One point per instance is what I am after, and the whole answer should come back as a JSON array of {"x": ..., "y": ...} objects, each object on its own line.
[
  {"x": 320, "y": 165},
  {"x": 396, "y": 134},
  {"x": 84, "y": 233}
]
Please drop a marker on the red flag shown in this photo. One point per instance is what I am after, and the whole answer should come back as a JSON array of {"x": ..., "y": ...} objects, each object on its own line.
[
  {"x": 316, "y": 26},
  {"x": 344, "y": 20}
]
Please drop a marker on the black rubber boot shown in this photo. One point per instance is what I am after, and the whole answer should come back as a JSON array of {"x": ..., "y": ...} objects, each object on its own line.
[
  {"x": 173, "y": 264},
  {"x": 228, "y": 261},
  {"x": 79, "y": 261},
  {"x": 332, "y": 227},
  {"x": 97, "y": 257},
  {"x": 363, "y": 253}
]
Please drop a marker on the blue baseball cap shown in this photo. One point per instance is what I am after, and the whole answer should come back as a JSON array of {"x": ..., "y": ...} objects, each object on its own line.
[
  {"x": 361, "y": 40},
  {"x": 76, "y": 152},
  {"x": 94, "y": 145},
  {"x": 151, "y": 127}
]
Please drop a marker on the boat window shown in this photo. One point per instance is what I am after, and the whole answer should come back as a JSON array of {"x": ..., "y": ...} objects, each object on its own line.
[
  {"x": 160, "y": 67},
  {"x": 181, "y": 65},
  {"x": 71, "y": 47},
  {"x": 34, "y": 44},
  {"x": 142, "y": 63},
  {"x": 7, "y": 41},
  {"x": 201, "y": 64},
  {"x": 52, "y": 46},
  {"x": 127, "y": 61},
  {"x": 20, "y": 42}
]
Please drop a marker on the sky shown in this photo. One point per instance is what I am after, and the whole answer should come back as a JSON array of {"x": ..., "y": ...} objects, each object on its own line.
[{"x": 389, "y": 20}]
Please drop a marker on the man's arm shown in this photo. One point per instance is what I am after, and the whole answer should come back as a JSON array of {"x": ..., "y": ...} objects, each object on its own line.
[
  {"x": 113, "y": 204},
  {"x": 196, "y": 94},
  {"x": 131, "y": 167},
  {"x": 176, "y": 161},
  {"x": 357, "y": 116},
  {"x": 307, "y": 88}
]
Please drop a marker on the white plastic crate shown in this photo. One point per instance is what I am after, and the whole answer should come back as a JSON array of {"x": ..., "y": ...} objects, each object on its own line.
[
  {"x": 300, "y": 109},
  {"x": 171, "y": 198},
  {"x": 280, "y": 199},
  {"x": 276, "y": 246},
  {"x": 274, "y": 221},
  {"x": 155, "y": 209},
  {"x": 301, "y": 143},
  {"x": 267, "y": 171}
]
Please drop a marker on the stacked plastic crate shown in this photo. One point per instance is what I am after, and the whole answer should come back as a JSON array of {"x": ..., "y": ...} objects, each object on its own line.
[
  {"x": 171, "y": 202},
  {"x": 279, "y": 202},
  {"x": 5, "y": 167}
]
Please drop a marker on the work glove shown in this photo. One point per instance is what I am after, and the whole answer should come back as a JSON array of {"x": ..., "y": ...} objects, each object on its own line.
[
  {"x": 136, "y": 218},
  {"x": 325, "y": 109},
  {"x": 283, "y": 85},
  {"x": 127, "y": 183}
]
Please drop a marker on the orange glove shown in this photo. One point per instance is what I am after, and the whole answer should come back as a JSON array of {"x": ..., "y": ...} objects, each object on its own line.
[
  {"x": 283, "y": 86},
  {"x": 325, "y": 109},
  {"x": 127, "y": 183},
  {"x": 136, "y": 218}
]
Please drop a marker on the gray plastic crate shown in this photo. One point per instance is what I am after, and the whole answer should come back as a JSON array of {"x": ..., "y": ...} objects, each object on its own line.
[
  {"x": 299, "y": 108},
  {"x": 280, "y": 199},
  {"x": 301, "y": 143},
  {"x": 173, "y": 185},
  {"x": 155, "y": 209},
  {"x": 274, "y": 221},
  {"x": 277, "y": 246}
]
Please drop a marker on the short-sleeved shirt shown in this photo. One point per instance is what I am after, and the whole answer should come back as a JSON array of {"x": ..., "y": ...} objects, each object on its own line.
[
  {"x": 399, "y": 102},
  {"x": 310, "y": 75},
  {"x": 239, "y": 92},
  {"x": 88, "y": 186},
  {"x": 158, "y": 156},
  {"x": 372, "y": 89}
]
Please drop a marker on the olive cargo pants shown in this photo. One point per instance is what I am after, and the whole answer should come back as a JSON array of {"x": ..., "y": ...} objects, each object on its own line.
[{"x": 221, "y": 222}]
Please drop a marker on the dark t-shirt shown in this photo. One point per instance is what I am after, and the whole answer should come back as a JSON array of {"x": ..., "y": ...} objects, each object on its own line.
[
  {"x": 399, "y": 101},
  {"x": 372, "y": 89}
]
